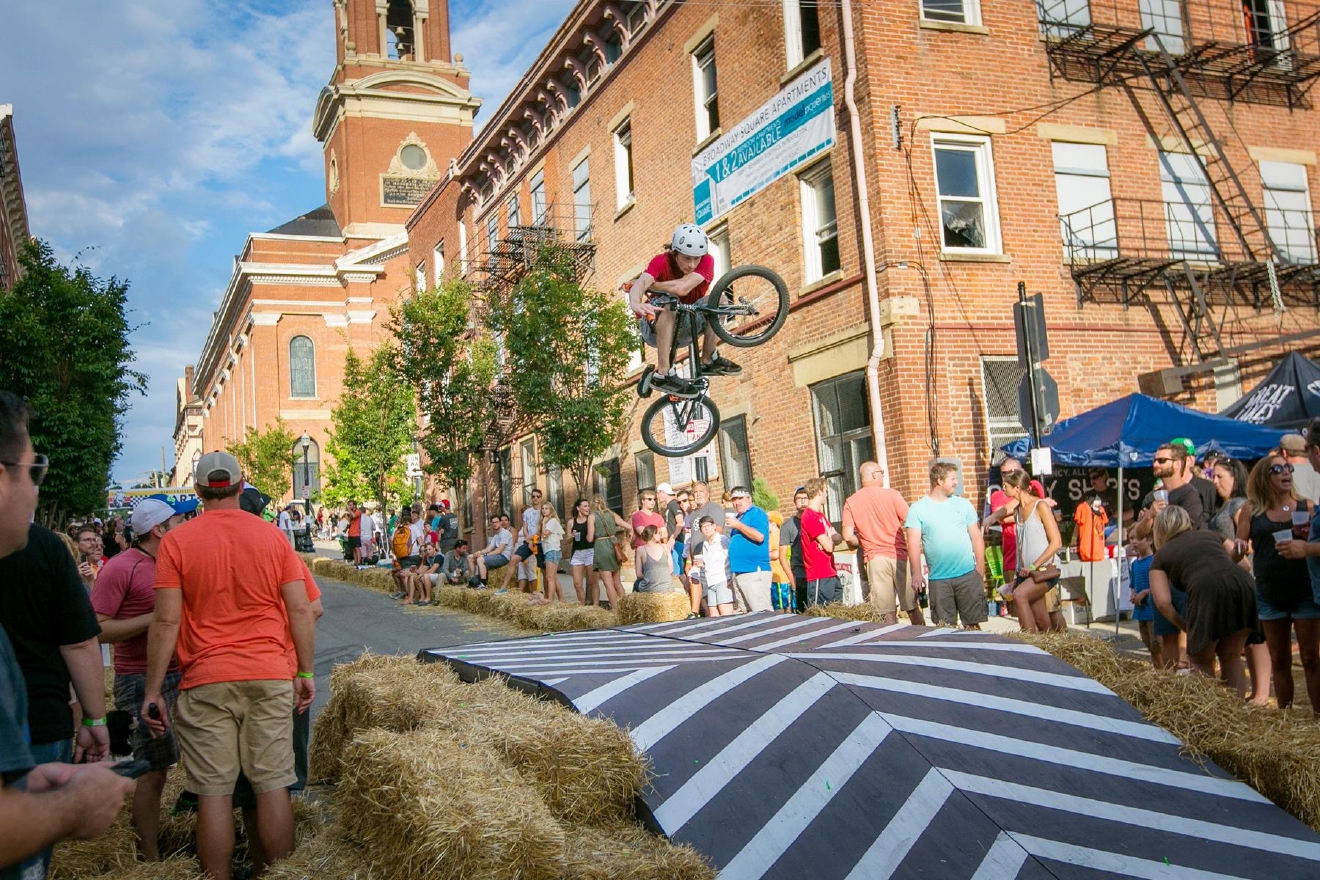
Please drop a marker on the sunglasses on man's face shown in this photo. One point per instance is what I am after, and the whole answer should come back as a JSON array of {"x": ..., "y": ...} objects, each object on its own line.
[
  {"x": 1276, "y": 469},
  {"x": 36, "y": 468},
  {"x": 1163, "y": 460}
]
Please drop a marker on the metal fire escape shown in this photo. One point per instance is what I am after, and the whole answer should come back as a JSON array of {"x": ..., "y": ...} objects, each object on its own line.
[
  {"x": 503, "y": 261},
  {"x": 1213, "y": 252}
]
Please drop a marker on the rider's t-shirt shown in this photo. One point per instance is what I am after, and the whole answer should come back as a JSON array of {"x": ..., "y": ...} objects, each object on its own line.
[{"x": 659, "y": 269}]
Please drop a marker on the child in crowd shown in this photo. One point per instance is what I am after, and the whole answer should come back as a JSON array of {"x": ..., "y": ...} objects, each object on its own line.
[
  {"x": 710, "y": 560},
  {"x": 1143, "y": 606}
]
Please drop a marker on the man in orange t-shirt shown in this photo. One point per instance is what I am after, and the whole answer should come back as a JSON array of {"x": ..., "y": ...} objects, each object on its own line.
[
  {"x": 873, "y": 518},
  {"x": 353, "y": 537},
  {"x": 229, "y": 592}
]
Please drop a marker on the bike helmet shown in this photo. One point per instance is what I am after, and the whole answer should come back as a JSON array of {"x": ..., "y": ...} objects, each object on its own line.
[{"x": 690, "y": 241}]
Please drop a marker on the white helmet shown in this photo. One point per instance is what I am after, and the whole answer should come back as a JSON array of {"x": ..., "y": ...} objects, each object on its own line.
[{"x": 690, "y": 241}]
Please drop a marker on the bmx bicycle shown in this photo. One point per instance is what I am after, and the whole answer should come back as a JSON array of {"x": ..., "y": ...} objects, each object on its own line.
[{"x": 679, "y": 424}]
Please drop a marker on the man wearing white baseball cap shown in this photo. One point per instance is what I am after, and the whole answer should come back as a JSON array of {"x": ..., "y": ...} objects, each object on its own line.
[
  {"x": 229, "y": 592},
  {"x": 124, "y": 601}
]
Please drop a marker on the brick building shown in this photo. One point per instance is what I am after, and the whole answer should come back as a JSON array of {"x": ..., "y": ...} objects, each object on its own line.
[
  {"x": 14, "y": 231},
  {"x": 1146, "y": 168},
  {"x": 395, "y": 113}
]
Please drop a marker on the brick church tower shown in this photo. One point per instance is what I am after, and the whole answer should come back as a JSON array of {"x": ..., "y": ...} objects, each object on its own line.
[{"x": 395, "y": 113}]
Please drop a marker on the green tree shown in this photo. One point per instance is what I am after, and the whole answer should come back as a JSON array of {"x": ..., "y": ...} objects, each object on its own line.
[
  {"x": 64, "y": 337},
  {"x": 343, "y": 480},
  {"x": 374, "y": 421},
  {"x": 451, "y": 367},
  {"x": 567, "y": 347},
  {"x": 267, "y": 458}
]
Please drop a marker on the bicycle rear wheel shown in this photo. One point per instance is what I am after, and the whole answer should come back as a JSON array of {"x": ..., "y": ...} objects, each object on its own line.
[
  {"x": 751, "y": 313},
  {"x": 674, "y": 427}
]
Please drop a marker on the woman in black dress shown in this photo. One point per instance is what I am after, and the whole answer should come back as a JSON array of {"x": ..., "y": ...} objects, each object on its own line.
[{"x": 1221, "y": 598}]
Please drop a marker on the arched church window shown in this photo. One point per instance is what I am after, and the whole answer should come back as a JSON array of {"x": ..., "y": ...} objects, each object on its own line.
[{"x": 302, "y": 367}]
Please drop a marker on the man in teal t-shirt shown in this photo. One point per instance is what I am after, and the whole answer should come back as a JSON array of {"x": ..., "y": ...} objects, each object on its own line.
[{"x": 945, "y": 527}]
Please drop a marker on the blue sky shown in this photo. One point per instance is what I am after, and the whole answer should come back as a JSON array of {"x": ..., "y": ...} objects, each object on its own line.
[{"x": 153, "y": 137}]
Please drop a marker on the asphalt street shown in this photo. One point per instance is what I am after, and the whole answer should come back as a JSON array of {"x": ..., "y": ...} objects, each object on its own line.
[{"x": 358, "y": 620}]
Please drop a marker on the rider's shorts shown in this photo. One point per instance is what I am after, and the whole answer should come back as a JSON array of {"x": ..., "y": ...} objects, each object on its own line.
[{"x": 646, "y": 329}]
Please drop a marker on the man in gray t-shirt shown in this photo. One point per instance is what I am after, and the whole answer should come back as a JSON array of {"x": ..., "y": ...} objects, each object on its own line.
[{"x": 703, "y": 506}]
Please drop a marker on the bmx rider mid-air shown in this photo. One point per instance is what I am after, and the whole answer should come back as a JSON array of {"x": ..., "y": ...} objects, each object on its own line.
[{"x": 685, "y": 270}]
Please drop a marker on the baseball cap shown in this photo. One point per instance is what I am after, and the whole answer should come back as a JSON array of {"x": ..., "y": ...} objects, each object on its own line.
[
  {"x": 179, "y": 506},
  {"x": 150, "y": 513},
  {"x": 445, "y": 502},
  {"x": 665, "y": 488},
  {"x": 1185, "y": 444},
  {"x": 739, "y": 492},
  {"x": 214, "y": 462},
  {"x": 253, "y": 500},
  {"x": 1293, "y": 444}
]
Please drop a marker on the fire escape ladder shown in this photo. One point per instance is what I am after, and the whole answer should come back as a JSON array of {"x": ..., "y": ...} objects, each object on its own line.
[
  {"x": 1189, "y": 122},
  {"x": 1199, "y": 324}
]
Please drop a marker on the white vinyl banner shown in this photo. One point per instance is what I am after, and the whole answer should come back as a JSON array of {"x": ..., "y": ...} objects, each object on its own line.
[{"x": 789, "y": 129}]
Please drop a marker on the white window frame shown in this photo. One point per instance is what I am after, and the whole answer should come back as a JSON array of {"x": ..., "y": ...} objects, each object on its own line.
[
  {"x": 312, "y": 343},
  {"x": 794, "y": 49},
  {"x": 815, "y": 228},
  {"x": 493, "y": 231},
  {"x": 419, "y": 277},
  {"x": 1189, "y": 210},
  {"x": 971, "y": 14},
  {"x": 701, "y": 101},
  {"x": 438, "y": 262},
  {"x": 623, "y": 165},
  {"x": 462, "y": 248},
  {"x": 515, "y": 210},
  {"x": 980, "y": 146},
  {"x": 582, "y": 200},
  {"x": 719, "y": 249},
  {"x": 539, "y": 205},
  {"x": 1291, "y": 228},
  {"x": 1095, "y": 235}
]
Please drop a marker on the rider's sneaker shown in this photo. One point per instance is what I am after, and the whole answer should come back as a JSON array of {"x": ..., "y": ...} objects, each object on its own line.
[
  {"x": 671, "y": 383},
  {"x": 721, "y": 366}
]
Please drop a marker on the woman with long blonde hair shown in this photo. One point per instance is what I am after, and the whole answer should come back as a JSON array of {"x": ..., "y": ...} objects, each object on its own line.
[
  {"x": 552, "y": 546},
  {"x": 1274, "y": 516}
]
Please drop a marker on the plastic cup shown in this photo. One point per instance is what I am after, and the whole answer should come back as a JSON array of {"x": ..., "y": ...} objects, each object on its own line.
[
  {"x": 1162, "y": 495},
  {"x": 1283, "y": 535}
]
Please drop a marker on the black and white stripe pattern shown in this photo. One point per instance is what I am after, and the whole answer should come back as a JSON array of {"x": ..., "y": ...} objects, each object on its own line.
[{"x": 792, "y": 747}]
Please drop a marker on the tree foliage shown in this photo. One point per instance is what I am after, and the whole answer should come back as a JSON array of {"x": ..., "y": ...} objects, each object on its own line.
[
  {"x": 343, "y": 480},
  {"x": 267, "y": 458},
  {"x": 566, "y": 345},
  {"x": 451, "y": 366},
  {"x": 64, "y": 335},
  {"x": 374, "y": 422}
]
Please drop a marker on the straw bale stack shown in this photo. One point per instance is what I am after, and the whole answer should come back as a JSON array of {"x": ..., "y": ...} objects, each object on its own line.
[
  {"x": 654, "y": 607},
  {"x": 179, "y": 868},
  {"x": 627, "y": 851},
  {"x": 113, "y": 851},
  {"x": 329, "y": 855},
  {"x": 519, "y": 610},
  {"x": 1277, "y": 753},
  {"x": 431, "y": 804},
  {"x": 865, "y": 612}
]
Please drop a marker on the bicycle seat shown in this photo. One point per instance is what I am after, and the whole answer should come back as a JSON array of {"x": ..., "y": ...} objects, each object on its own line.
[{"x": 664, "y": 300}]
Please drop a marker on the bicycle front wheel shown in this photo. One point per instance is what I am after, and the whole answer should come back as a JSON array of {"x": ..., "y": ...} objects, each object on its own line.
[
  {"x": 674, "y": 427},
  {"x": 749, "y": 305}
]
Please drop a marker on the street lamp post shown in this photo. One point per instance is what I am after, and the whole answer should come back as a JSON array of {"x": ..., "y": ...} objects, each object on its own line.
[
  {"x": 307, "y": 470},
  {"x": 417, "y": 479}
]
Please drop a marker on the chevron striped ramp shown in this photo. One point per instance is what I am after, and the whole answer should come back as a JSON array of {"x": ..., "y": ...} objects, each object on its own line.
[{"x": 801, "y": 747}]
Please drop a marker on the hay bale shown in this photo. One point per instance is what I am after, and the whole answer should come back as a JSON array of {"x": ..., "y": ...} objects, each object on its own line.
[
  {"x": 180, "y": 868},
  {"x": 329, "y": 855},
  {"x": 116, "y": 850},
  {"x": 654, "y": 607},
  {"x": 865, "y": 612},
  {"x": 1277, "y": 753},
  {"x": 627, "y": 851},
  {"x": 430, "y": 804},
  {"x": 562, "y": 617}
]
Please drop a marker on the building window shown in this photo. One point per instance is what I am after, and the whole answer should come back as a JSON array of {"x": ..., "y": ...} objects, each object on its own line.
[
  {"x": 493, "y": 232},
  {"x": 574, "y": 93},
  {"x": 623, "y": 164},
  {"x": 719, "y": 250},
  {"x": 554, "y": 489},
  {"x": 1188, "y": 209},
  {"x": 843, "y": 435},
  {"x": 954, "y": 11},
  {"x": 703, "y": 77},
  {"x": 613, "y": 48},
  {"x": 538, "y": 198},
  {"x": 1165, "y": 18},
  {"x": 306, "y": 469},
  {"x": 438, "y": 261},
  {"x": 735, "y": 457},
  {"x": 582, "y": 200},
  {"x": 964, "y": 180},
  {"x": 801, "y": 29},
  {"x": 645, "y": 471},
  {"x": 610, "y": 485},
  {"x": 515, "y": 212},
  {"x": 504, "y": 465},
  {"x": 527, "y": 452},
  {"x": 419, "y": 276},
  {"x": 1000, "y": 378},
  {"x": 1288, "y": 210},
  {"x": 820, "y": 224},
  {"x": 462, "y": 248},
  {"x": 302, "y": 367},
  {"x": 468, "y": 492},
  {"x": 1063, "y": 18},
  {"x": 1086, "y": 210}
]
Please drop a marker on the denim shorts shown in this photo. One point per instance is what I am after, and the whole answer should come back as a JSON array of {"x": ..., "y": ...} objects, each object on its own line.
[
  {"x": 553, "y": 556},
  {"x": 1162, "y": 626},
  {"x": 1303, "y": 609},
  {"x": 496, "y": 560},
  {"x": 676, "y": 556}
]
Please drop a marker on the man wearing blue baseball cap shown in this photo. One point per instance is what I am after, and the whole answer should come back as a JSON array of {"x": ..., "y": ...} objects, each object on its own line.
[{"x": 124, "y": 601}]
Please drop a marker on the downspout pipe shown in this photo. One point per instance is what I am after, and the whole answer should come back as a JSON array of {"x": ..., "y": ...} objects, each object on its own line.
[{"x": 868, "y": 243}]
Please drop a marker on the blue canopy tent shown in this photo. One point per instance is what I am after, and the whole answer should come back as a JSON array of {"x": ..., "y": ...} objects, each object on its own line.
[{"x": 1127, "y": 431}]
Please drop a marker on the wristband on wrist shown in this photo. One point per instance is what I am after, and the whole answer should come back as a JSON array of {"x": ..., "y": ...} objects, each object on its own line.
[
  {"x": 306, "y": 675},
  {"x": 94, "y": 722}
]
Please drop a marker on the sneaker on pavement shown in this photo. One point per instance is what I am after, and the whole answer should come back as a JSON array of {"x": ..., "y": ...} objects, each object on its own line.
[{"x": 721, "y": 366}]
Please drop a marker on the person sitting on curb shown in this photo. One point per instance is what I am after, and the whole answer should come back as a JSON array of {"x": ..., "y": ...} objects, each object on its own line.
[{"x": 495, "y": 554}]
